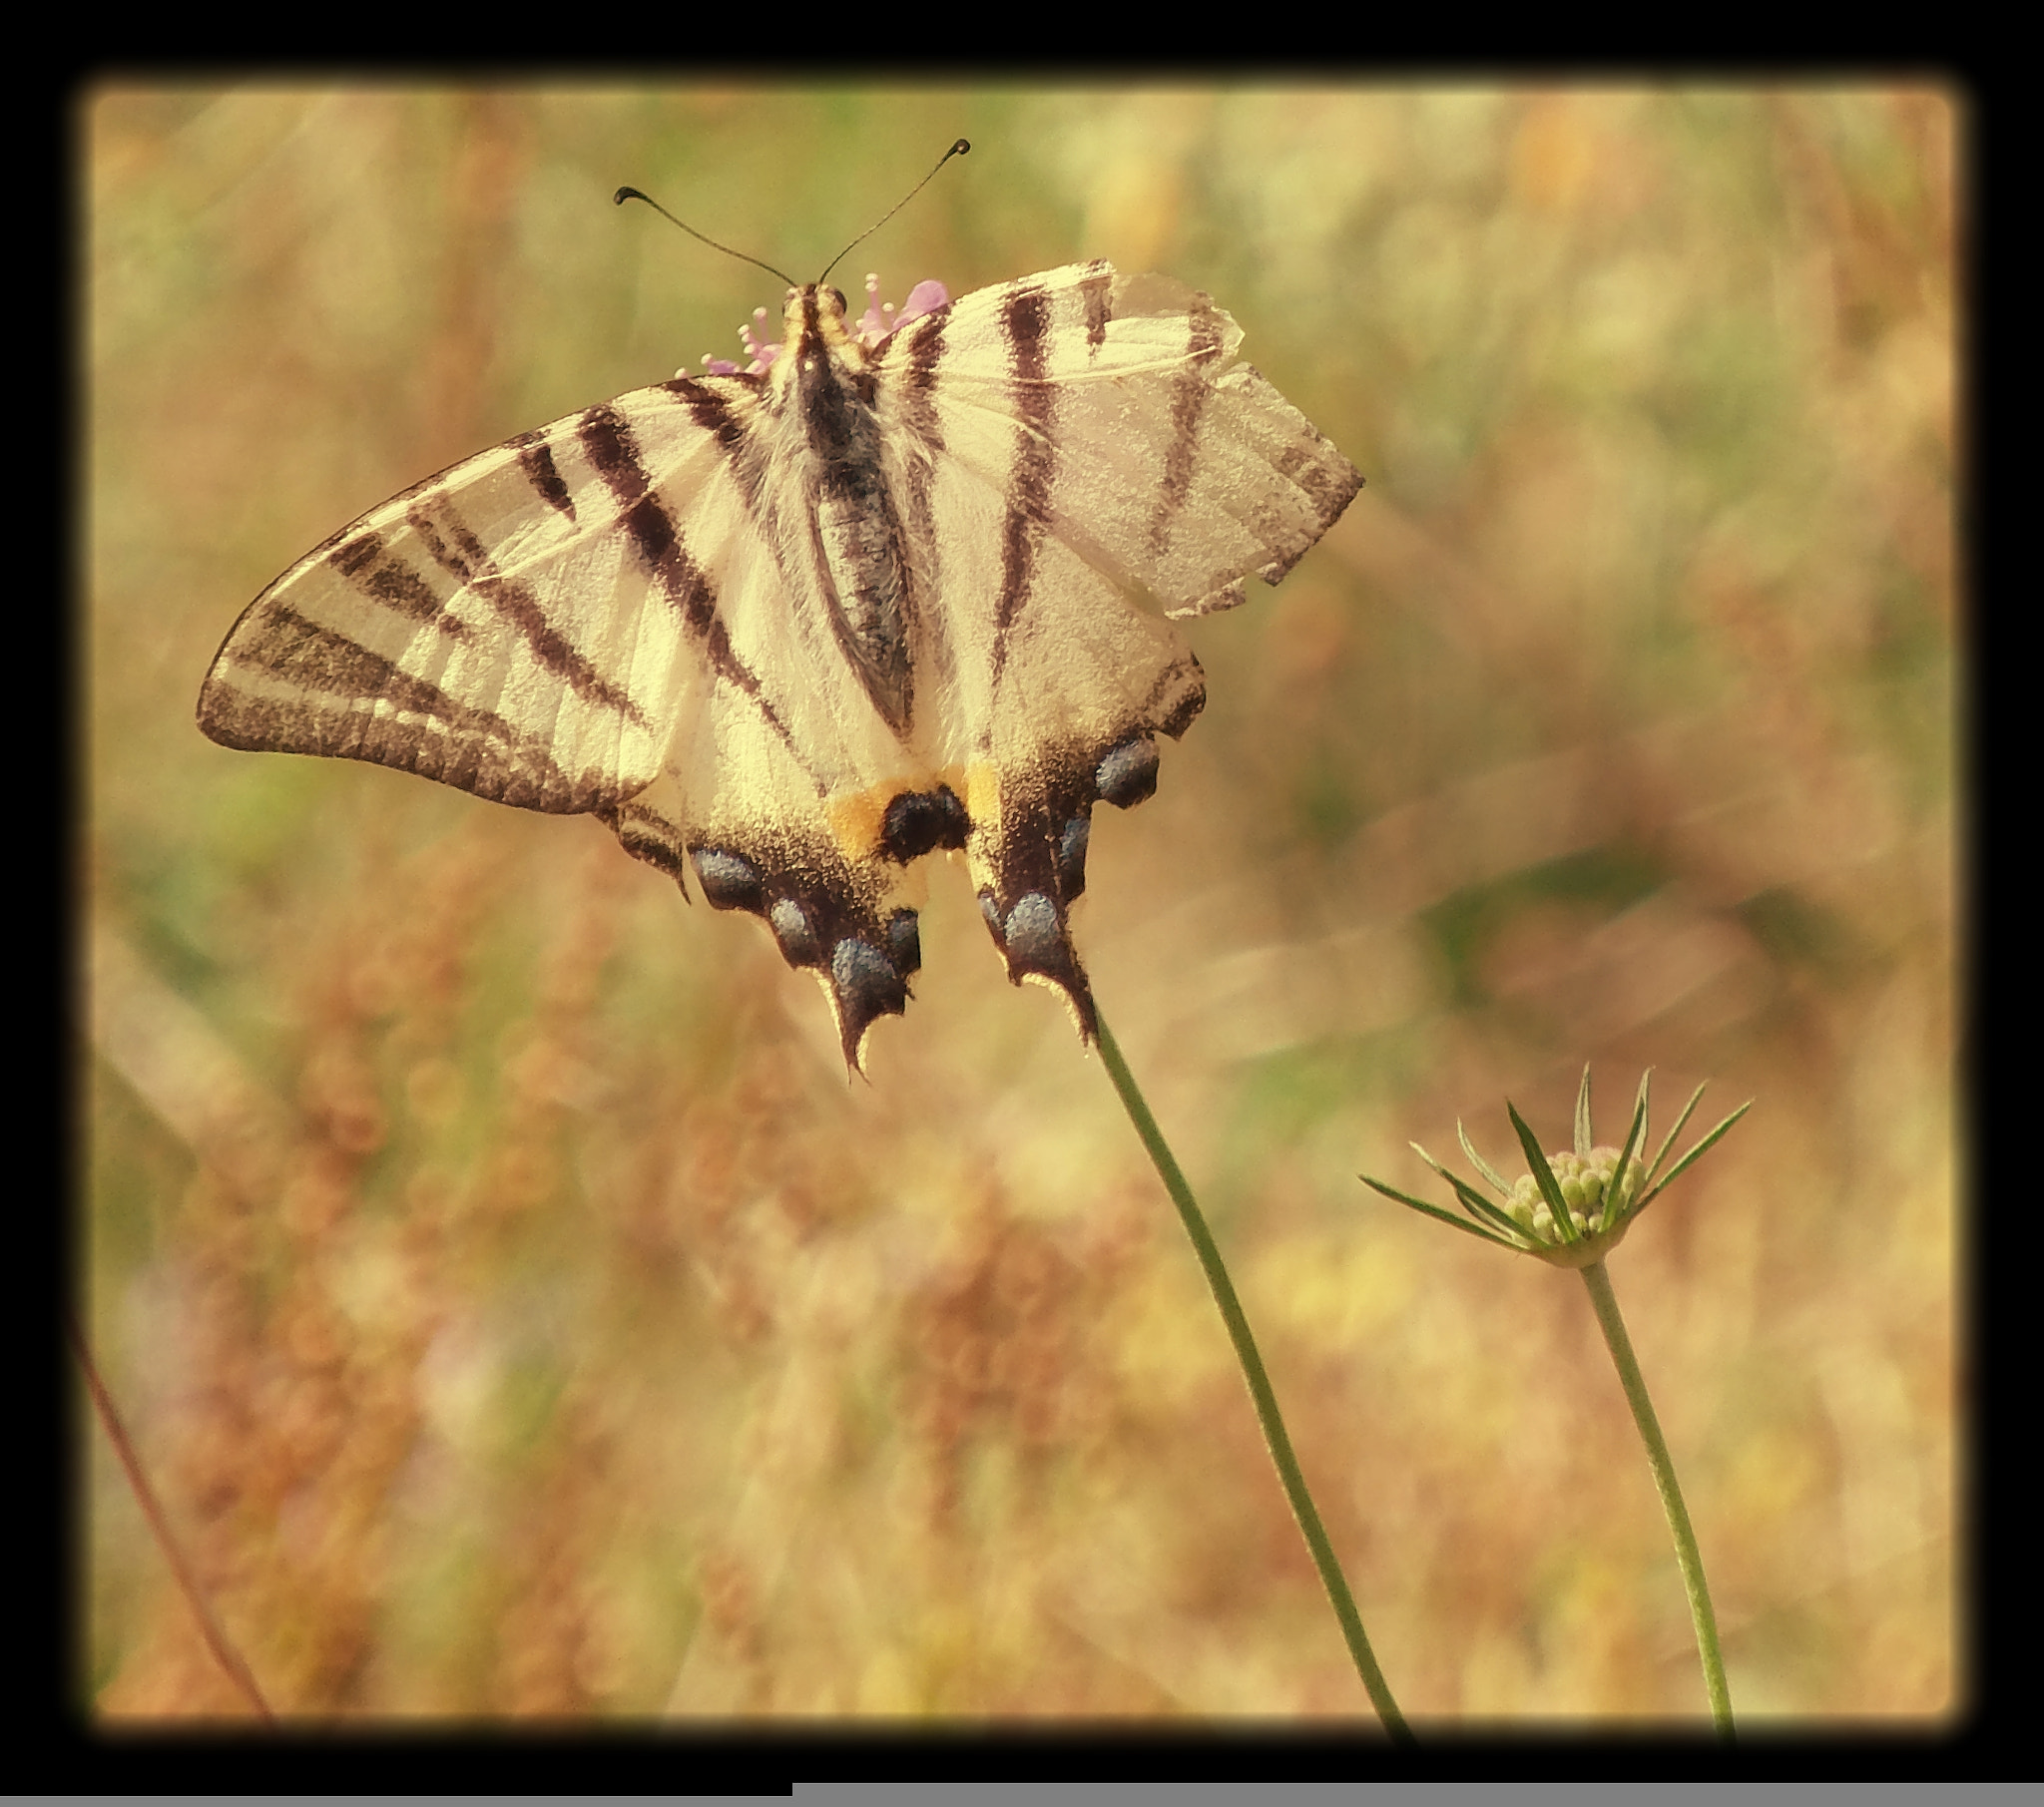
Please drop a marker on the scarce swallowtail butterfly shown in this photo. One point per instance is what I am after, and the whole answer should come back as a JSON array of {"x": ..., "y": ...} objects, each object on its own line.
[{"x": 895, "y": 588}]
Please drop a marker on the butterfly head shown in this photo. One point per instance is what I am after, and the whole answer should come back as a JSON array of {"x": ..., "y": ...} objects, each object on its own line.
[
  {"x": 822, "y": 309},
  {"x": 814, "y": 322},
  {"x": 880, "y": 322}
]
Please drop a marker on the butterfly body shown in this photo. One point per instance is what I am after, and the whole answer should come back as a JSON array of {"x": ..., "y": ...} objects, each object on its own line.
[{"x": 788, "y": 630}]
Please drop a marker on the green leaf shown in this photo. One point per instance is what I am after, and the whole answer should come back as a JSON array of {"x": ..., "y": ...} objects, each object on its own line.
[
  {"x": 1543, "y": 1177},
  {"x": 1471, "y": 1200},
  {"x": 1688, "y": 1161},
  {"x": 1478, "y": 1162},
  {"x": 1582, "y": 1114},
  {"x": 1673, "y": 1132},
  {"x": 1434, "y": 1210},
  {"x": 1615, "y": 1210}
]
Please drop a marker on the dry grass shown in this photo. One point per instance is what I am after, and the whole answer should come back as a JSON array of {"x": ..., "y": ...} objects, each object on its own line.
[{"x": 519, "y": 1310}]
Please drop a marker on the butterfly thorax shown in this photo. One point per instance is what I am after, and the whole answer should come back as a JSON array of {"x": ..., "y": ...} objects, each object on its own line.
[{"x": 823, "y": 391}]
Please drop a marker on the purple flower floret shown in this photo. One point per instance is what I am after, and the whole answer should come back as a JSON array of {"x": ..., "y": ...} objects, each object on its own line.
[
  {"x": 873, "y": 328},
  {"x": 882, "y": 318},
  {"x": 763, "y": 354}
]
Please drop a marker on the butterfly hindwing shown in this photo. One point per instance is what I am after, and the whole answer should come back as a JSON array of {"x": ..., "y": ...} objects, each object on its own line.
[{"x": 787, "y": 632}]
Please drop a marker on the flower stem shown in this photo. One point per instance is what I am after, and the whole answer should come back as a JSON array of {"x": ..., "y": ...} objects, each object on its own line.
[
  {"x": 217, "y": 1640},
  {"x": 1687, "y": 1555},
  {"x": 1266, "y": 1401}
]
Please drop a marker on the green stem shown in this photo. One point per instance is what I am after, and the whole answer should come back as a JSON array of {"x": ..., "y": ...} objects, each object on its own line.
[
  {"x": 1686, "y": 1553},
  {"x": 1302, "y": 1507}
]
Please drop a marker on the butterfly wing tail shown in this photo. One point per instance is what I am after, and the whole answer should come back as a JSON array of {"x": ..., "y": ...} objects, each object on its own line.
[
  {"x": 1032, "y": 827},
  {"x": 842, "y": 923}
]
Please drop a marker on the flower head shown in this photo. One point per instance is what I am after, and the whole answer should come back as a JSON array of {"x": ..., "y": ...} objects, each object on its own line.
[{"x": 1573, "y": 1207}]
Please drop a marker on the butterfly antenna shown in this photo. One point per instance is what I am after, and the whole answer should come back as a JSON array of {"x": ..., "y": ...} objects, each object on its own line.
[
  {"x": 957, "y": 150},
  {"x": 624, "y": 195}
]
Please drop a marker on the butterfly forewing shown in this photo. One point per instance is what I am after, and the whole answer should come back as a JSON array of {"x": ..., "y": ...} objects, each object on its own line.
[
  {"x": 1162, "y": 463},
  {"x": 788, "y": 632},
  {"x": 499, "y": 626}
]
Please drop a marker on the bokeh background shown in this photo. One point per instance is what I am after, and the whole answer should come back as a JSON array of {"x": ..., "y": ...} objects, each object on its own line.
[{"x": 518, "y": 1308}]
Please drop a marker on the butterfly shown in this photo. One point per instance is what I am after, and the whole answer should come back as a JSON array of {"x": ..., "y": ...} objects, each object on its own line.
[{"x": 899, "y": 587}]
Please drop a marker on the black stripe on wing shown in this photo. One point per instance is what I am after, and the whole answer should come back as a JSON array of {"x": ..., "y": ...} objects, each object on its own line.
[
  {"x": 536, "y": 460},
  {"x": 611, "y": 448},
  {"x": 1025, "y": 323},
  {"x": 333, "y": 698},
  {"x": 1190, "y": 390},
  {"x": 452, "y": 545}
]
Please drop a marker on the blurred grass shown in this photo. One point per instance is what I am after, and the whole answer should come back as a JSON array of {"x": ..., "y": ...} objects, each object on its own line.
[{"x": 519, "y": 1310}]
